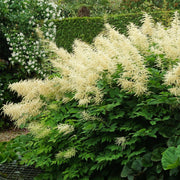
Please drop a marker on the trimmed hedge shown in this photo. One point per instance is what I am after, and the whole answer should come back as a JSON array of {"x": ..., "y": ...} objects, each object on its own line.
[
  {"x": 82, "y": 28},
  {"x": 86, "y": 28}
]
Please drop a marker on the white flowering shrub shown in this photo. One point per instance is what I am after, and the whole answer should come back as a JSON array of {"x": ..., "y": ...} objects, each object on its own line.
[
  {"x": 110, "y": 111},
  {"x": 28, "y": 54},
  {"x": 25, "y": 15},
  {"x": 47, "y": 11}
]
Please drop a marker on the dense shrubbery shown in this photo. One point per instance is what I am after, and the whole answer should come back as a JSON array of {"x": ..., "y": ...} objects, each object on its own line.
[
  {"x": 109, "y": 112},
  {"x": 101, "y": 7},
  {"x": 21, "y": 52}
]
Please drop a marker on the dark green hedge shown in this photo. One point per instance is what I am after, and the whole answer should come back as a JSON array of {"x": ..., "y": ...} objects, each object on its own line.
[
  {"x": 82, "y": 28},
  {"x": 87, "y": 28}
]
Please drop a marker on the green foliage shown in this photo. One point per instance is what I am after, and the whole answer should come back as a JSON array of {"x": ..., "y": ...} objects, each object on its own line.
[
  {"x": 171, "y": 158},
  {"x": 12, "y": 151},
  {"x": 123, "y": 137},
  {"x": 87, "y": 28},
  {"x": 141, "y": 124},
  {"x": 77, "y": 28}
]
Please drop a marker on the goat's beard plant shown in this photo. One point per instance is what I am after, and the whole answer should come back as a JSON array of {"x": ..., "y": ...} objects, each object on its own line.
[{"x": 107, "y": 110}]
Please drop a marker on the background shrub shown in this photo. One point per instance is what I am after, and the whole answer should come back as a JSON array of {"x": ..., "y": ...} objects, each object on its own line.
[
  {"x": 21, "y": 51},
  {"x": 101, "y": 7}
]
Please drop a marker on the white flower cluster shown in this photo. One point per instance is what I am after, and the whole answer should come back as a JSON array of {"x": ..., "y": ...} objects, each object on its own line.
[
  {"x": 6, "y": 1},
  {"x": 120, "y": 141},
  {"x": 1, "y": 92},
  {"x": 50, "y": 11},
  {"x": 69, "y": 153},
  {"x": 25, "y": 52},
  {"x": 39, "y": 130},
  {"x": 65, "y": 128},
  {"x": 26, "y": 49}
]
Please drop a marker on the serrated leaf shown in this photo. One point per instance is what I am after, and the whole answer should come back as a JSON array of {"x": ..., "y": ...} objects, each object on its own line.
[
  {"x": 170, "y": 160},
  {"x": 137, "y": 165},
  {"x": 159, "y": 168},
  {"x": 126, "y": 171},
  {"x": 178, "y": 151},
  {"x": 146, "y": 160},
  {"x": 87, "y": 156},
  {"x": 130, "y": 177},
  {"x": 163, "y": 132},
  {"x": 166, "y": 118},
  {"x": 157, "y": 154},
  {"x": 173, "y": 141},
  {"x": 136, "y": 153},
  {"x": 174, "y": 172},
  {"x": 153, "y": 122}
]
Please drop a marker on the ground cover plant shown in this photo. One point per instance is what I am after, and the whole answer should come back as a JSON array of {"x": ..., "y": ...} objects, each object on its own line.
[
  {"x": 21, "y": 54},
  {"x": 109, "y": 112}
]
